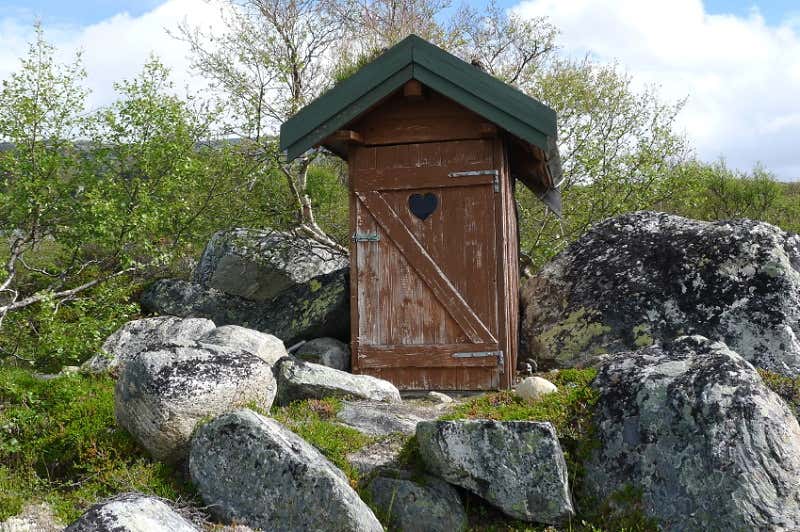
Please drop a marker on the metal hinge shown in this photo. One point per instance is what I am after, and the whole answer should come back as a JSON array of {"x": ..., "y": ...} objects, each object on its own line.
[
  {"x": 479, "y": 354},
  {"x": 495, "y": 173},
  {"x": 366, "y": 237}
]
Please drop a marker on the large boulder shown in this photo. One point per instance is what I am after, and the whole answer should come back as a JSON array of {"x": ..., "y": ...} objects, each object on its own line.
[
  {"x": 131, "y": 512},
  {"x": 424, "y": 504},
  {"x": 252, "y": 470},
  {"x": 265, "y": 346},
  {"x": 143, "y": 335},
  {"x": 326, "y": 351},
  {"x": 161, "y": 395},
  {"x": 258, "y": 265},
  {"x": 693, "y": 427},
  {"x": 648, "y": 277},
  {"x": 319, "y": 307},
  {"x": 298, "y": 380},
  {"x": 517, "y": 466}
]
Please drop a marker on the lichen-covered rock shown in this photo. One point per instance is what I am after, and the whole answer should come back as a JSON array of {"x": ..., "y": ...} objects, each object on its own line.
[
  {"x": 377, "y": 418},
  {"x": 33, "y": 518},
  {"x": 317, "y": 308},
  {"x": 265, "y": 346},
  {"x": 131, "y": 512},
  {"x": 299, "y": 380},
  {"x": 251, "y": 469},
  {"x": 258, "y": 265},
  {"x": 647, "y": 277},
  {"x": 161, "y": 395},
  {"x": 326, "y": 351},
  {"x": 143, "y": 335},
  {"x": 384, "y": 453},
  {"x": 694, "y": 428},
  {"x": 516, "y": 466},
  {"x": 534, "y": 388},
  {"x": 424, "y": 504}
]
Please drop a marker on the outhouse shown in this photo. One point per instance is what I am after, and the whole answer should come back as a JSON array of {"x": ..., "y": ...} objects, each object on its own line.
[{"x": 434, "y": 146}]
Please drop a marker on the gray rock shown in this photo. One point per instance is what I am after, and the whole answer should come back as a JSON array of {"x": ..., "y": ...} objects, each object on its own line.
[
  {"x": 299, "y": 380},
  {"x": 161, "y": 395},
  {"x": 426, "y": 504},
  {"x": 253, "y": 470},
  {"x": 320, "y": 307},
  {"x": 131, "y": 512},
  {"x": 326, "y": 351},
  {"x": 694, "y": 427},
  {"x": 33, "y": 518},
  {"x": 143, "y": 335},
  {"x": 258, "y": 265},
  {"x": 381, "y": 454},
  {"x": 265, "y": 346},
  {"x": 376, "y": 418},
  {"x": 516, "y": 466},
  {"x": 438, "y": 397},
  {"x": 647, "y": 277}
]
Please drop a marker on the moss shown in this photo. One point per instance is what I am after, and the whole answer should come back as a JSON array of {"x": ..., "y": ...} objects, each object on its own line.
[
  {"x": 641, "y": 335},
  {"x": 787, "y": 388},
  {"x": 312, "y": 420},
  {"x": 314, "y": 285},
  {"x": 59, "y": 443},
  {"x": 574, "y": 336}
]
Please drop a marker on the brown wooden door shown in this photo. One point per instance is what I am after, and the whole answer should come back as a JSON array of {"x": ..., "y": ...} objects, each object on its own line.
[{"x": 426, "y": 253}]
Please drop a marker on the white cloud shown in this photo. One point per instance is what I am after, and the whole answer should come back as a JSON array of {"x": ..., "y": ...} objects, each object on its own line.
[
  {"x": 116, "y": 48},
  {"x": 741, "y": 75}
]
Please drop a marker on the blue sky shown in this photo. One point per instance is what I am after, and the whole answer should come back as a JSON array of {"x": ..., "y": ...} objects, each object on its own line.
[
  {"x": 79, "y": 12},
  {"x": 736, "y": 62}
]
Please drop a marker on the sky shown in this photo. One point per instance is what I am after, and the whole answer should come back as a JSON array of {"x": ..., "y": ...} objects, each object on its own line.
[{"x": 736, "y": 61}]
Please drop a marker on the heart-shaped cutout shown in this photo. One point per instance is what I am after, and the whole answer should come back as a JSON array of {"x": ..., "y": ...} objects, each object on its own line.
[{"x": 422, "y": 206}]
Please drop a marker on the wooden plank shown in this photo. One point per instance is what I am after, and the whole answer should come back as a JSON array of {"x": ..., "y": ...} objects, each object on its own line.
[
  {"x": 345, "y": 135},
  {"x": 445, "y": 379},
  {"x": 426, "y": 268},
  {"x": 412, "y": 90},
  {"x": 426, "y": 356}
]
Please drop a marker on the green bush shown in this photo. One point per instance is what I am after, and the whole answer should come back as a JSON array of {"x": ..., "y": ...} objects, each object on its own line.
[
  {"x": 50, "y": 335},
  {"x": 59, "y": 443}
]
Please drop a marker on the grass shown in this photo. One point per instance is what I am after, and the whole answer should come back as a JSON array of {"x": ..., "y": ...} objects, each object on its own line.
[
  {"x": 59, "y": 444},
  {"x": 313, "y": 420}
]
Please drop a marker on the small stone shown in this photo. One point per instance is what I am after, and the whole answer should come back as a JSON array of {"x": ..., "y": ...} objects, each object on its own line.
[
  {"x": 298, "y": 380},
  {"x": 378, "y": 418},
  {"x": 327, "y": 352},
  {"x": 534, "y": 388},
  {"x": 131, "y": 512},
  {"x": 438, "y": 397}
]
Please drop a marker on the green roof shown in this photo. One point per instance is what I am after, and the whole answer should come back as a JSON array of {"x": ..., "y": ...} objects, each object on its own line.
[{"x": 415, "y": 58}]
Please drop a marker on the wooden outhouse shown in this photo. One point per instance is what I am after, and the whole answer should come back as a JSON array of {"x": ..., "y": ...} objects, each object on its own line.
[{"x": 434, "y": 146}]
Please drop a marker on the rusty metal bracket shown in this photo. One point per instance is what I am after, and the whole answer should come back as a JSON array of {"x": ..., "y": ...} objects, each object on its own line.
[{"x": 366, "y": 237}]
